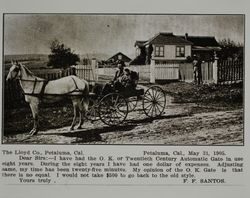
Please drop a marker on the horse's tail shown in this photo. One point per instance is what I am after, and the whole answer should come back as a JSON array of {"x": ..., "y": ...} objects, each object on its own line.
[{"x": 85, "y": 97}]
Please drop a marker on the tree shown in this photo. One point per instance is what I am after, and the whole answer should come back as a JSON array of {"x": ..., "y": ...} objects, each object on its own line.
[
  {"x": 230, "y": 49},
  {"x": 61, "y": 56}
]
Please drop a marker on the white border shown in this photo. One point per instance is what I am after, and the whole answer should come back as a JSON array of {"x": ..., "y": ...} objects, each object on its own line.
[{"x": 132, "y": 6}]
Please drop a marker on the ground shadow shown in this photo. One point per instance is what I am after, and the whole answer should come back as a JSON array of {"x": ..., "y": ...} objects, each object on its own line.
[
  {"x": 93, "y": 135},
  {"x": 149, "y": 120}
]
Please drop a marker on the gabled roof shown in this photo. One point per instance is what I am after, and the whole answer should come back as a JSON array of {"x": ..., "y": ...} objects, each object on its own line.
[
  {"x": 127, "y": 59},
  {"x": 168, "y": 39},
  {"x": 164, "y": 38},
  {"x": 140, "y": 43},
  {"x": 203, "y": 41}
]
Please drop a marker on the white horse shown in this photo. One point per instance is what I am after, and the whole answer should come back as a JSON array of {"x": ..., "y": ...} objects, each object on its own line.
[{"x": 37, "y": 90}]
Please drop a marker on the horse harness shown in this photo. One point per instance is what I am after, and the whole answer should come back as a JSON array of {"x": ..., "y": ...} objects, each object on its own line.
[
  {"x": 41, "y": 93},
  {"x": 45, "y": 82}
]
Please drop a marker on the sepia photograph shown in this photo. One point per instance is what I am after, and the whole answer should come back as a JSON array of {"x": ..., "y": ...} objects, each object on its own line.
[{"x": 123, "y": 79}]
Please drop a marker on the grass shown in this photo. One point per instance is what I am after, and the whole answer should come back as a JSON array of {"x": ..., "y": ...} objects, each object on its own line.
[
  {"x": 20, "y": 120},
  {"x": 206, "y": 94}
]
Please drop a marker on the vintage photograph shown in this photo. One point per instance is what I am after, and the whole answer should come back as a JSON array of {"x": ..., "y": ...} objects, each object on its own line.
[{"x": 136, "y": 79}]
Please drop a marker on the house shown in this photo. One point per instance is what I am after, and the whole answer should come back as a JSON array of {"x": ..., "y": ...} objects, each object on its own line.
[
  {"x": 166, "y": 47},
  {"x": 119, "y": 56},
  {"x": 203, "y": 46}
]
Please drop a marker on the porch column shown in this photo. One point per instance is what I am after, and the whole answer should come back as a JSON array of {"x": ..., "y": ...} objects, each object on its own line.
[{"x": 152, "y": 71}]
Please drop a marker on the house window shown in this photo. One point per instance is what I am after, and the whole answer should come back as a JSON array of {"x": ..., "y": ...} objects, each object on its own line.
[
  {"x": 159, "y": 51},
  {"x": 180, "y": 51},
  {"x": 119, "y": 57}
]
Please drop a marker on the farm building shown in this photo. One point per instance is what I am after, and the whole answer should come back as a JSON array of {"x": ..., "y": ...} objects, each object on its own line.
[
  {"x": 119, "y": 56},
  {"x": 166, "y": 47}
]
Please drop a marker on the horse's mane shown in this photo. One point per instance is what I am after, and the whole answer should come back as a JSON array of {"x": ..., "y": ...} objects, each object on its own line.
[
  {"x": 31, "y": 74},
  {"x": 27, "y": 70}
]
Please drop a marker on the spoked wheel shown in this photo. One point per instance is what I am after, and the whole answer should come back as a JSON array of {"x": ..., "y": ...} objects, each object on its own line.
[
  {"x": 92, "y": 113},
  {"x": 113, "y": 109},
  {"x": 132, "y": 103},
  {"x": 154, "y": 101}
]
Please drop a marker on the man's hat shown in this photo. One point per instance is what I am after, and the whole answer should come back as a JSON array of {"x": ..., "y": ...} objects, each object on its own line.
[{"x": 120, "y": 62}]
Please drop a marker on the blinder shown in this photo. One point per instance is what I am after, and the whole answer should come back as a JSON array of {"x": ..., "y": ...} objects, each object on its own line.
[{"x": 16, "y": 69}]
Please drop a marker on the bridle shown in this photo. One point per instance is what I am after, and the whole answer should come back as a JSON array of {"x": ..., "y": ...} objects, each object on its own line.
[{"x": 17, "y": 70}]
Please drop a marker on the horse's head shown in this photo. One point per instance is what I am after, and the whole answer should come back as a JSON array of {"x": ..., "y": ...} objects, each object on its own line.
[{"x": 14, "y": 71}]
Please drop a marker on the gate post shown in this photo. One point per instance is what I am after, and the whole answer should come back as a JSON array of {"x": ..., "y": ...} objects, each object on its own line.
[
  {"x": 152, "y": 71},
  {"x": 215, "y": 69}
]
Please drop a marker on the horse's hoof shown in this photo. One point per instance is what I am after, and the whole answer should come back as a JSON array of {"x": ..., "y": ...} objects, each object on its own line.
[
  {"x": 33, "y": 132},
  {"x": 79, "y": 127}
]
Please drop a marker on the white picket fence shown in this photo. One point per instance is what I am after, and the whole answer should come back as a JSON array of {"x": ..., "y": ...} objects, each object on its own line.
[
  {"x": 107, "y": 71},
  {"x": 147, "y": 72},
  {"x": 87, "y": 72},
  {"x": 159, "y": 72},
  {"x": 143, "y": 70},
  {"x": 167, "y": 71}
]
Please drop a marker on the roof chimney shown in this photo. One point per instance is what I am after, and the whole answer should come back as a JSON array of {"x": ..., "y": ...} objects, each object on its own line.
[{"x": 186, "y": 36}]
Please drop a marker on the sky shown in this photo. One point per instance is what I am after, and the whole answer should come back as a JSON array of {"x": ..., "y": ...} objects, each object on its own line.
[{"x": 109, "y": 34}]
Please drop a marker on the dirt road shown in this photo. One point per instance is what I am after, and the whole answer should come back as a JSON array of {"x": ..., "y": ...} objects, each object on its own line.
[{"x": 178, "y": 126}]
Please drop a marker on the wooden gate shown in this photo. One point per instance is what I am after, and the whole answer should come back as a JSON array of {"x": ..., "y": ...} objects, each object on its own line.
[
  {"x": 207, "y": 72},
  {"x": 187, "y": 72},
  {"x": 87, "y": 72}
]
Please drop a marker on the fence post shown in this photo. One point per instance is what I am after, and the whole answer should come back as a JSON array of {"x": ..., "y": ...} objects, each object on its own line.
[
  {"x": 97, "y": 71},
  {"x": 93, "y": 67},
  {"x": 215, "y": 70},
  {"x": 152, "y": 71}
]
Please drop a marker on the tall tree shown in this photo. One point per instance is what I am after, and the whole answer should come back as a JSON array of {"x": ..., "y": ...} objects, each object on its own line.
[
  {"x": 230, "y": 49},
  {"x": 61, "y": 56}
]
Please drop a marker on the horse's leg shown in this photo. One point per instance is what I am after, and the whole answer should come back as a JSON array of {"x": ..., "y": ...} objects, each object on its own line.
[
  {"x": 75, "y": 114},
  {"x": 79, "y": 126},
  {"x": 83, "y": 107},
  {"x": 34, "y": 109}
]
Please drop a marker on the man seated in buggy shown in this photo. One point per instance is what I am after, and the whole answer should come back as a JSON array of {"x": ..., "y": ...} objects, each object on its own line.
[{"x": 124, "y": 81}]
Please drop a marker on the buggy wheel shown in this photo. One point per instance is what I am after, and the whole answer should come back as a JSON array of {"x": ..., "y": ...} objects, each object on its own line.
[
  {"x": 92, "y": 113},
  {"x": 113, "y": 109},
  {"x": 154, "y": 101},
  {"x": 132, "y": 103}
]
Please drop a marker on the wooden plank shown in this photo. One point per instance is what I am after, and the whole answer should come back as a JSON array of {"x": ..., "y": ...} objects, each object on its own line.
[{"x": 167, "y": 72}]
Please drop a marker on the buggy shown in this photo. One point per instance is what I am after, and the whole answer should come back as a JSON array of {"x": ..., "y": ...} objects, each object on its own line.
[{"x": 112, "y": 108}]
